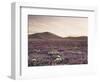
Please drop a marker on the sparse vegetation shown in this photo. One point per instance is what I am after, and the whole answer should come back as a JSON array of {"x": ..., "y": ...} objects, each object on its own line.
[{"x": 55, "y": 50}]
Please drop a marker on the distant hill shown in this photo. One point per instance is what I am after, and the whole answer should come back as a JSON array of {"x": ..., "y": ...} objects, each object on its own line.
[
  {"x": 48, "y": 35},
  {"x": 78, "y": 38},
  {"x": 44, "y": 35}
]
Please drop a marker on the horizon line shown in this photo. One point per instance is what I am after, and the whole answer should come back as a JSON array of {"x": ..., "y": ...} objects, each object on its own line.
[{"x": 58, "y": 35}]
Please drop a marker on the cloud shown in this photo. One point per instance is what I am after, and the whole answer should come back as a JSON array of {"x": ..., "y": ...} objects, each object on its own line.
[{"x": 62, "y": 26}]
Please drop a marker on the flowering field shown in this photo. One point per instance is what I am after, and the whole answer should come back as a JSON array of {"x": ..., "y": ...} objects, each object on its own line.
[{"x": 44, "y": 51}]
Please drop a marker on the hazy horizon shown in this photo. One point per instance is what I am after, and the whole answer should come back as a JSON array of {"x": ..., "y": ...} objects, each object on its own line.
[
  {"x": 57, "y": 35},
  {"x": 61, "y": 26}
]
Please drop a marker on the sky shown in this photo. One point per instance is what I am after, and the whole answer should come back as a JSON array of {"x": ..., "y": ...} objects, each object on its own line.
[{"x": 63, "y": 26}]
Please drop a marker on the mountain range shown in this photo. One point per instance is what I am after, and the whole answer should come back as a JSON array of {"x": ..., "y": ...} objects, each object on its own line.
[{"x": 48, "y": 35}]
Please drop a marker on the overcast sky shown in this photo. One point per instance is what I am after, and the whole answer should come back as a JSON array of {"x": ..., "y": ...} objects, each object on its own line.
[{"x": 62, "y": 26}]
